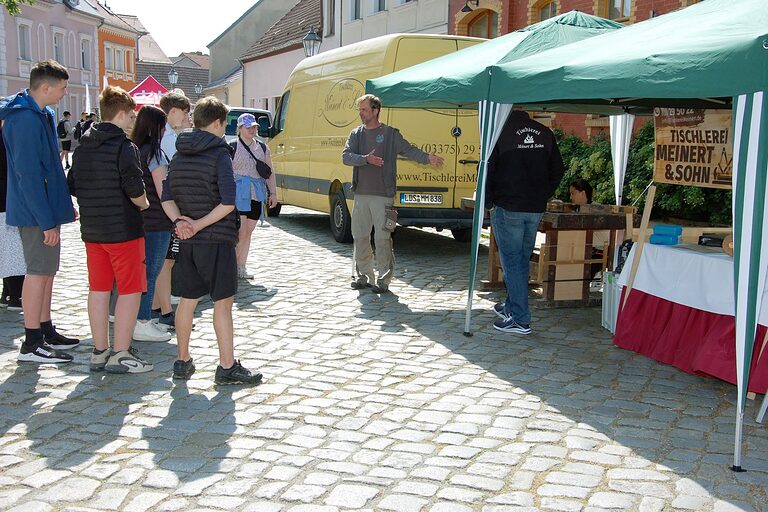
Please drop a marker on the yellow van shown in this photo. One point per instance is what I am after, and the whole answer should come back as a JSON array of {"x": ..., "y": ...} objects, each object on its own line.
[{"x": 317, "y": 112}]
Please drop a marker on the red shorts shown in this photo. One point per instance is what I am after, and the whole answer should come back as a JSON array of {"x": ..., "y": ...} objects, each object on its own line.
[{"x": 123, "y": 262}]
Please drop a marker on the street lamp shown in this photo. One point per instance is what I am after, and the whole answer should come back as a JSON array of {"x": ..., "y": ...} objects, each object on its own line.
[
  {"x": 198, "y": 88},
  {"x": 311, "y": 43},
  {"x": 173, "y": 77}
]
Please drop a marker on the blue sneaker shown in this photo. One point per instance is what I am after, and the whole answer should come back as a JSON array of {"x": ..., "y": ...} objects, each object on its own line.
[
  {"x": 499, "y": 310},
  {"x": 508, "y": 324}
]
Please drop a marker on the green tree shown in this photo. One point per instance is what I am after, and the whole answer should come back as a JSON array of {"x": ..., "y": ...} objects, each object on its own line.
[{"x": 14, "y": 6}]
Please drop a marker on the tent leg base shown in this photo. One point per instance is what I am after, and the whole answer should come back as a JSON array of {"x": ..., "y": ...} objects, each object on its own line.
[
  {"x": 468, "y": 334},
  {"x": 738, "y": 469}
]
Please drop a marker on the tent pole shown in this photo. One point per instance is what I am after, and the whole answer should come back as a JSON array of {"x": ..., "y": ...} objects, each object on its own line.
[{"x": 737, "y": 443}]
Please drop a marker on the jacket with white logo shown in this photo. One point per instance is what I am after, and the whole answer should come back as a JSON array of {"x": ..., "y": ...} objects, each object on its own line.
[{"x": 525, "y": 167}]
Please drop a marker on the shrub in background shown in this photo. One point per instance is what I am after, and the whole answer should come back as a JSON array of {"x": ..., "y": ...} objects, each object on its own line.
[{"x": 592, "y": 161}]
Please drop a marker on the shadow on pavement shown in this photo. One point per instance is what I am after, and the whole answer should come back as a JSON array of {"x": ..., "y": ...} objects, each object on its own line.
[{"x": 679, "y": 422}]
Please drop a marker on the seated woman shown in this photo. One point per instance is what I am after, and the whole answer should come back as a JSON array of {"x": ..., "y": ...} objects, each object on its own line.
[{"x": 581, "y": 193}]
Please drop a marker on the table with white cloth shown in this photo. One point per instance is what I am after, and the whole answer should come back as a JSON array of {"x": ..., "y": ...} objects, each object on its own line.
[{"x": 681, "y": 312}]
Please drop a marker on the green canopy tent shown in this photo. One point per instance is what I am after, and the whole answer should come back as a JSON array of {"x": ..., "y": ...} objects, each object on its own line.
[
  {"x": 462, "y": 80},
  {"x": 713, "y": 54}
]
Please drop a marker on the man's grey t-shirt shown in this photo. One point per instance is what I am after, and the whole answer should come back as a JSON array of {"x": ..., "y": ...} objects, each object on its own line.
[{"x": 370, "y": 179}]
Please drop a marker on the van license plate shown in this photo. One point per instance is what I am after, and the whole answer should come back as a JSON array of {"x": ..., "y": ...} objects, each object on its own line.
[{"x": 421, "y": 198}]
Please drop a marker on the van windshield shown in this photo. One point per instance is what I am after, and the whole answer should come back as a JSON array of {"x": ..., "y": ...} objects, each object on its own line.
[{"x": 232, "y": 116}]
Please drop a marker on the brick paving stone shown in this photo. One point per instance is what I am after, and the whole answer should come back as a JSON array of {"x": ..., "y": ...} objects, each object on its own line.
[
  {"x": 612, "y": 500},
  {"x": 109, "y": 499},
  {"x": 560, "y": 505},
  {"x": 144, "y": 501},
  {"x": 459, "y": 494},
  {"x": 522, "y": 499},
  {"x": 71, "y": 489},
  {"x": 402, "y": 503},
  {"x": 351, "y": 496},
  {"x": 418, "y": 488},
  {"x": 564, "y": 491}
]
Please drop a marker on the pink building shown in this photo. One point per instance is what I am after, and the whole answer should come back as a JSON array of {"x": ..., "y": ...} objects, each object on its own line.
[{"x": 63, "y": 30}]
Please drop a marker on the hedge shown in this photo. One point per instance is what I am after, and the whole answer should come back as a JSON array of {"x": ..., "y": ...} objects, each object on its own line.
[{"x": 592, "y": 162}]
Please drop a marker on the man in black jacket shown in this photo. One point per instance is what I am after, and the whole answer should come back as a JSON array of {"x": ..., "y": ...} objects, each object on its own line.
[
  {"x": 524, "y": 171},
  {"x": 199, "y": 195},
  {"x": 106, "y": 178}
]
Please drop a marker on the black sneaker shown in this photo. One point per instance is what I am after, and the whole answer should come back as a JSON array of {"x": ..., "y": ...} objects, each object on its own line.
[
  {"x": 359, "y": 284},
  {"x": 183, "y": 369},
  {"x": 236, "y": 375},
  {"x": 381, "y": 288},
  {"x": 60, "y": 342},
  {"x": 168, "y": 320},
  {"x": 42, "y": 353}
]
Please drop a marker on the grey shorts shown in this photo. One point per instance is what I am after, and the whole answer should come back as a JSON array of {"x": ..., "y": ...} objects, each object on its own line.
[{"x": 41, "y": 259}]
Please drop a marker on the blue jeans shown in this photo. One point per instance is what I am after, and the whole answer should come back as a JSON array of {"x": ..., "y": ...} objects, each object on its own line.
[
  {"x": 515, "y": 234},
  {"x": 155, "y": 246}
]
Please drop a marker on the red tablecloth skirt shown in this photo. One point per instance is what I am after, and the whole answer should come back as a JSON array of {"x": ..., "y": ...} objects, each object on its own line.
[{"x": 690, "y": 339}]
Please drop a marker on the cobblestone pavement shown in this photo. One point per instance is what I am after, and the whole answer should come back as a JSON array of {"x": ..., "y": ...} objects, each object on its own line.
[{"x": 369, "y": 403}]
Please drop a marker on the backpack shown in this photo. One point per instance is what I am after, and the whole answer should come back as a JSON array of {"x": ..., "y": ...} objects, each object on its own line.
[
  {"x": 78, "y": 130},
  {"x": 61, "y": 129}
]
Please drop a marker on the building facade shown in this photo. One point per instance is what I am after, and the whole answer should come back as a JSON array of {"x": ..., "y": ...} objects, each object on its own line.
[
  {"x": 492, "y": 18},
  {"x": 225, "y": 79},
  {"x": 66, "y": 31},
  {"x": 117, "y": 49},
  {"x": 338, "y": 23},
  {"x": 358, "y": 20}
]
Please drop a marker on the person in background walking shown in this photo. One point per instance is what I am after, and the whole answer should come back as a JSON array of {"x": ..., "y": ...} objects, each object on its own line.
[{"x": 65, "y": 131}]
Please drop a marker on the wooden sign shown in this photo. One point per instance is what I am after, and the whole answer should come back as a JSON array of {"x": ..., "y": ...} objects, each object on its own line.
[{"x": 693, "y": 147}]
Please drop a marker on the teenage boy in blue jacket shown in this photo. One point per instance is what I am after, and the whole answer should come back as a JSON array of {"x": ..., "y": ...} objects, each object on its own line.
[{"x": 38, "y": 203}]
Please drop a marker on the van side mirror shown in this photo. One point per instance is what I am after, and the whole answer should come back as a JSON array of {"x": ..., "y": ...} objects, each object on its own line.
[{"x": 264, "y": 128}]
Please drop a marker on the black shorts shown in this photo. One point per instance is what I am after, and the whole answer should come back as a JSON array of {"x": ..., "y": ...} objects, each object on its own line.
[
  {"x": 255, "y": 213},
  {"x": 206, "y": 269},
  {"x": 66, "y": 145}
]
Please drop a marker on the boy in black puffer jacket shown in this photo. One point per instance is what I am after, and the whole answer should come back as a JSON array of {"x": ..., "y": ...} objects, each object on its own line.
[
  {"x": 106, "y": 178},
  {"x": 199, "y": 195}
]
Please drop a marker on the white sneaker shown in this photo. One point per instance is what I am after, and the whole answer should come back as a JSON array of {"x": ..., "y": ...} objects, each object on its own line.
[
  {"x": 175, "y": 299},
  {"x": 127, "y": 361},
  {"x": 157, "y": 325},
  {"x": 145, "y": 330}
]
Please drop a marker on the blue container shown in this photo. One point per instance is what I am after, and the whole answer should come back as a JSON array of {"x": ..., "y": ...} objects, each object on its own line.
[
  {"x": 657, "y": 239},
  {"x": 668, "y": 229}
]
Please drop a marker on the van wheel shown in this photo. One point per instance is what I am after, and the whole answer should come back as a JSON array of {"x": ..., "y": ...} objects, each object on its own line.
[
  {"x": 341, "y": 221},
  {"x": 462, "y": 235},
  {"x": 274, "y": 211}
]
